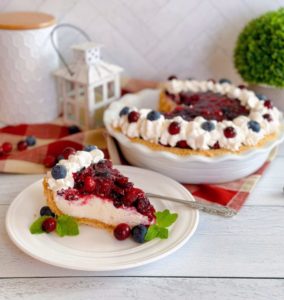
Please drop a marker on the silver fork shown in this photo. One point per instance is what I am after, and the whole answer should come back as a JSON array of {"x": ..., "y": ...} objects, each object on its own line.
[{"x": 208, "y": 208}]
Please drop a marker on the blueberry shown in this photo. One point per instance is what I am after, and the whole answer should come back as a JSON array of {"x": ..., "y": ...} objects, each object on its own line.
[
  {"x": 153, "y": 115},
  {"x": 208, "y": 126},
  {"x": 90, "y": 148},
  {"x": 138, "y": 233},
  {"x": 59, "y": 172},
  {"x": 254, "y": 126},
  {"x": 30, "y": 140},
  {"x": 260, "y": 96},
  {"x": 124, "y": 111},
  {"x": 224, "y": 80},
  {"x": 73, "y": 129},
  {"x": 46, "y": 211}
]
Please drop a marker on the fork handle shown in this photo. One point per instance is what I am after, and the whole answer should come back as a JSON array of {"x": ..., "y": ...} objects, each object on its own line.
[{"x": 208, "y": 208}]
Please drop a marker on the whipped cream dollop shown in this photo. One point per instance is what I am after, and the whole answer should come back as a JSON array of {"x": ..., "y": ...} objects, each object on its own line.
[
  {"x": 194, "y": 133},
  {"x": 73, "y": 164}
]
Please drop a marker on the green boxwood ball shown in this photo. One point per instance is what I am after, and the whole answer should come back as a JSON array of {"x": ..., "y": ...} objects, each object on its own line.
[{"x": 259, "y": 52}]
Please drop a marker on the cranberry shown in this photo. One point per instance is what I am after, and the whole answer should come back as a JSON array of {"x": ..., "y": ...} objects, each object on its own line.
[
  {"x": 22, "y": 145},
  {"x": 179, "y": 108},
  {"x": 117, "y": 203},
  {"x": 89, "y": 184},
  {"x": 267, "y": 117},
  {"x": 174, "y": 128},
  {"x": 103, "y": 187},
  {"x": 121, "y": 180},
  {"x": 230, "y": 132},
  {"x": 104, "y": 163},
  {"x": 49, "y": 161},
  {"x": 131, "y": 196},
  {"x": 182, "y": 144},
  {"x": 268, "y": 104},
  {"x": 1, "y": 151},
  {"x": 68, "y": 151},
  {"x": 122, "y": 231},
  {"x": 142, "y": 205},
  {"x": 133, "y": 117},
  {"x": 48, "y": 225},
  {"x": 7, "y": 147}
]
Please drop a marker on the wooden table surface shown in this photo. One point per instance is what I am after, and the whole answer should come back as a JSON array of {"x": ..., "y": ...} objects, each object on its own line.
[{"x": 238, "y": 258}]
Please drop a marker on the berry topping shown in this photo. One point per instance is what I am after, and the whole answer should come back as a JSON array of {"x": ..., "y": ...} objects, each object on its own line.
[
  {"x": 121, "y": 181},
  {"x": 46, "y": 211},
  {"x": 216, "y": 146},
  {"x": 267, "y": 117},
  {"x": 254, "y": 126},
  {"x": 174, "y": 128},
  {"x": 31, "y": 140},
  {"x": 224, "y": 80},
  {"x": 49, "y": 161},
  {"x": 49, "y": 225},
  {"x": 59, "y": 172},
  {"x": 139, "y": 233},
  {"x": 182, "y": 144},
  {"x": 260, "y": 96},
  {"x": 230, "y": 132},
  {"x": 89, "y": 184},
  {"x": 68, "y": 151},
  {"x": 153, "y": 115},
  {"x": 268, "y": 104},
  {"x": 90, "y": 148},
  {"x": 172, "y": 77},
  {"x": 142, "y": 205},
  {"x": 103, "y": 187},
  {"x": 124, "y": 111},
  {"x": 132, "y": 195},
  {"x": 73, "y": 129},
  {"x": 208, "y": 126},
  {"x": 22, "y": 145},
  {"x": 133, "y": 117},
  {"x": 122, "y": 231},
  {"x": 7, "y": 147}
]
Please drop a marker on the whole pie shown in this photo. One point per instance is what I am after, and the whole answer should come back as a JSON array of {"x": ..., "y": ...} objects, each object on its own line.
[
  {"x": 202, "y": 117},
  {"x": 87, "y": 187}
]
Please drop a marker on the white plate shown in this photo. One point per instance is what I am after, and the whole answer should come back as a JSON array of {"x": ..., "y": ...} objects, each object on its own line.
[
  {"x": 94, "y": 249},
  {"x": 189, "y": 168}
]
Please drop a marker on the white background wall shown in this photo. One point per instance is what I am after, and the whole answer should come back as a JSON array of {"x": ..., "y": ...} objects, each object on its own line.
[{"x": 154, "y": 38}]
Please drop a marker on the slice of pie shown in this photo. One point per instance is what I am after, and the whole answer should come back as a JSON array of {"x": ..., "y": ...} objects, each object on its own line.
[{"x": 88, "y": 188}]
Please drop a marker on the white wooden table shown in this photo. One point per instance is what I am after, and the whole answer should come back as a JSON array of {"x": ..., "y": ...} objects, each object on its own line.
[{"x": 238, "y": 258}]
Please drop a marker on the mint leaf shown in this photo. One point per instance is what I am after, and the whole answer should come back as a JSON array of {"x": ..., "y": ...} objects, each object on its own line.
[
  {"x": 165, "y": 218},
  {"x": 66, "y": 225},
  {"x": 152, "y": 232},
  {"x": 163, "y": 233},
  {"x": 36, "y": 228}
]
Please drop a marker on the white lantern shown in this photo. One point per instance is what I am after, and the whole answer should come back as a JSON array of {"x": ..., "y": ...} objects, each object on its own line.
[{"x": 87, "y": 86}]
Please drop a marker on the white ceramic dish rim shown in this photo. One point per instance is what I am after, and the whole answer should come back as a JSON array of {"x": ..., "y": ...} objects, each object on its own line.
[{"x": 174, "y": 157}]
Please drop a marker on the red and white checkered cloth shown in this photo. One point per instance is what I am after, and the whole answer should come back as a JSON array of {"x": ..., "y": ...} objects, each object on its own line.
[{"x": 53, "y": 138}]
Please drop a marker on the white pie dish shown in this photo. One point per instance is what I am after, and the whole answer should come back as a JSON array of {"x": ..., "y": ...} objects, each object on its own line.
[{"x": 186, "y": 169}]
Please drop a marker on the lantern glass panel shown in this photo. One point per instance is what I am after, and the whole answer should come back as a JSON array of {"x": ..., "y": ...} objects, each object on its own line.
[
  {"x": 70, "y": 110},
  {"x": 98, "y": 94},
  {"x": 110, "y": 89},
  {"x": 70, "y": 90}
]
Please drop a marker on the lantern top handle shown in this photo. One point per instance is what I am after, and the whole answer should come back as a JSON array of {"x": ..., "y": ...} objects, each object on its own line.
[{"x": 56, "y": 47}]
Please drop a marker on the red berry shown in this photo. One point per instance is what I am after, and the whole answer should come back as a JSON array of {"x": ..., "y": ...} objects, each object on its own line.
[
  {"x": 131, "y": 196},
  {"x": 268, "y": 104},
  {"x": 89, "y": 184},
  {"x": 182, "y": 144},
  {"x": 142, "y": 205},
  {"x": 121, "y": 180},
  {"x": 49, "y": 161},
  {"x": 48, "y": 225},
  {"x": 174, "y": 128},
  {"x": 230, "y": 132},
  {"x": 133, "y": 117},
  {"x": 267, "y": 117},
  {"x": 179, "y": 108},
  {"x": 68, "y": 151},
  {"x": 1, "y": 151},
  {"x": 242, "y": 86},
  {"x": 7, "y": 147},
  {"x": 103, "y": 187},
  {"x": 122, "y": 231},
  {"x": 22, "y": 145}
]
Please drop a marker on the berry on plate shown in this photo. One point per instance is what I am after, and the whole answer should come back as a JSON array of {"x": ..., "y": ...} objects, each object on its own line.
[
  {"x": 122, "y": 231},
  {"x": 22, "y": 145},
  {"x": 7, "y": 147},
  {"x": 138, "y": 233},
  {"x": 49, "y": 225},
  {"x": 31, "y": 140}
]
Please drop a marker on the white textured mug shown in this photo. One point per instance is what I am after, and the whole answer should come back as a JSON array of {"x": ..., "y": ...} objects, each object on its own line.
[{"x": 27, "y": 60}]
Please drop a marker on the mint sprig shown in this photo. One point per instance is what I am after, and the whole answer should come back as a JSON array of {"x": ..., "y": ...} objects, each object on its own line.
[
  {"x": 164, "y": 219},
  {"x": 65, "y": 226}
]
